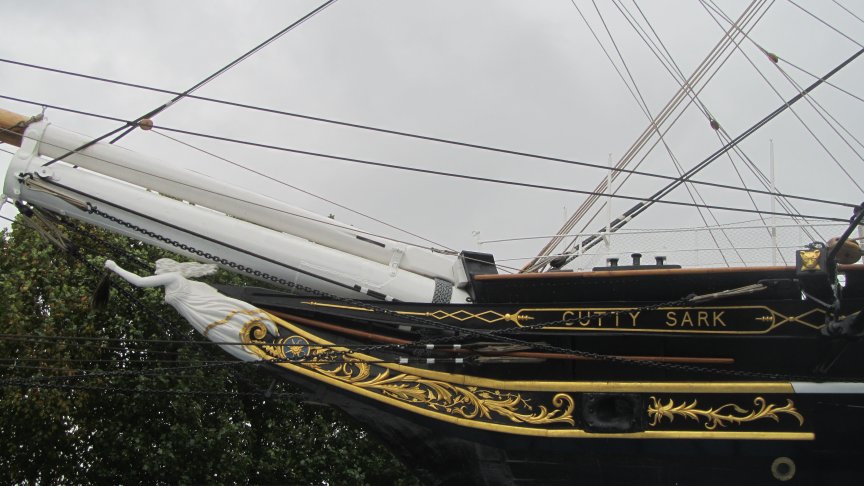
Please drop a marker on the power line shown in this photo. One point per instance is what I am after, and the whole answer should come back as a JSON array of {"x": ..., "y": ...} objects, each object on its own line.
[
  {"x": 264, "y": 206},
  {"x": 129, "y": 126},
  {"x": 502, "y": 181},
  {"x": 651, "y": 199},
  {"x": 380, "y": 130},
  {"x": 656, "y": 197},
  {"x": 24, "y": 384},
  {"x": 14, "y": 360},
  {"x": 826, "y": 24},
  {"x": 278, "y": 181}
]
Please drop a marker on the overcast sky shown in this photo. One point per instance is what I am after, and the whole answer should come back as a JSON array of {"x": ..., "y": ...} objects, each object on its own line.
[{"x": 521, "y": 75}]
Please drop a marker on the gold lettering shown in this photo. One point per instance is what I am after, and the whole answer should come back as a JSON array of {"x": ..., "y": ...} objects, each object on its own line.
[
  {"x": 634, "y": 316},
  {"x": 718, "y": 318},
  {"x": 687, "y": 319},
  {"x": 585, "y": 322},
  {"x": 671, "y": 319},
  {"x": 702, "y": 318}
]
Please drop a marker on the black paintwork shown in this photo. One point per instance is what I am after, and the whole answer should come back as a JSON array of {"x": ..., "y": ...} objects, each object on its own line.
[{"x": 444, "y": 453}]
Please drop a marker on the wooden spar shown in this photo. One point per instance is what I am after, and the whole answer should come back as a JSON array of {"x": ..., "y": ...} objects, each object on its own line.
[{"x": 12, "y": 127}]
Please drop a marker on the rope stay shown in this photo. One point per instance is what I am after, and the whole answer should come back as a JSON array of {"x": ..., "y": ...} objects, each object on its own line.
[
  {"x": 620, "y": 222},
  {"x": 668, "y": 111},
  {"x": 376, "y": 129},
  {"x": 498, "y": 181},
  {"x": 131, "y": 125}
]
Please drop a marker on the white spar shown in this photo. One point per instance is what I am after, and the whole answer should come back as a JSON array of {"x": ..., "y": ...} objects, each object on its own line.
[
  {"x": 173, "y": 180},
  {"x": 66, "y": 190}
]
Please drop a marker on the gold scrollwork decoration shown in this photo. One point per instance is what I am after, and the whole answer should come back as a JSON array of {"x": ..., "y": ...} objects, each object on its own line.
[
  {"x": 721, "y": 416},
  {"x": 468, "y": 402},
  {"x": 254, "y": 332}
]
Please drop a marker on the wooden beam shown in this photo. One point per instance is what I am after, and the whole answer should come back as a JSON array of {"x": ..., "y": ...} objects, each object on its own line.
[{"x": 14, "y": 122}]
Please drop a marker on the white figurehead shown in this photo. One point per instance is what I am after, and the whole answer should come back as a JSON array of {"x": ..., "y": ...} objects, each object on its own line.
[{"x": 217, "y": 317}]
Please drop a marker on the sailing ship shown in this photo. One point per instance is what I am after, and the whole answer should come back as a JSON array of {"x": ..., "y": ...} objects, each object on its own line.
[{"x": 624, "y": 372}]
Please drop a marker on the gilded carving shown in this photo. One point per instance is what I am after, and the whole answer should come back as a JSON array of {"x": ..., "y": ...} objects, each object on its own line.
[
  {"x": 484, "y": 404},
  {"x": 810, "y": 259},
  {"x": 468, "y": 402},
  {"x": 240, "y": 312},
  {"x": 721, "y": 416},
  {"x": 461, "y": 315},
  {"x": 489, "y": 316},
  {"x": 254, "y": 332}
]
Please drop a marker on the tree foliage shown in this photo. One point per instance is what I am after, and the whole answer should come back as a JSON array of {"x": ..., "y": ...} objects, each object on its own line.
[{"x": 153, "y": 413}]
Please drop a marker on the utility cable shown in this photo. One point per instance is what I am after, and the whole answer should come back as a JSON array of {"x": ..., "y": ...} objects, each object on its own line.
[
  {"x": 365, "y": 127},
  {"x": 809, "y": 101},
  {"x": 24, "y": 384},
  {"x": 308, "y": 193},
  {"x": 131, "y": 125},
  {"x": 848, "y": 11},
  {"x": 651, "y": 199},
  {"x": 263, "y": 206},
  {"x": 642, "y": 206},
  {"x": 640, "y": 100},
  {"x": 225, "y": 68},
  {"x": 500, "y": 336},
  {"x": 826, "y": 24},
  {"x": 642, "y": 140}
]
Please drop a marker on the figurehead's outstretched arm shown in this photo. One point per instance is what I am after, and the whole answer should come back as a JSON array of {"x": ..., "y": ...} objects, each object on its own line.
[{"x": 138, "y": 281}]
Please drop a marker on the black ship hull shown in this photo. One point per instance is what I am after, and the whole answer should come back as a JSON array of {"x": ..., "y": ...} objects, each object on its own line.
[{"x": 599, "y": 378}]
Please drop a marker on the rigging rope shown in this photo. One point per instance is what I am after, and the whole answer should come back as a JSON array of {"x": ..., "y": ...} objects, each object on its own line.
[
  {"x": 848, "y": 11},
  {"x": 499, "y": 335},
  {"x": 283, "y": 183},
  {"x": 787, "y": 205},
  {"x": 497, "y": 181},
  {"x": 702, "y": 70},
  {"x": 808, "y": 99},
  {"x": 686, "y": 88},
  {"x": 826, "y": 24},
  {"x": 641, "y": 207},
  {"x": 660, "y": 135},
  {"x": 204, "y": 189},
  {"x": 461, "y": 332},
  {"x": 131, "y": 125},
  {"x": 375, "y": 129},
  {"x": 678, "y": 75}
]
